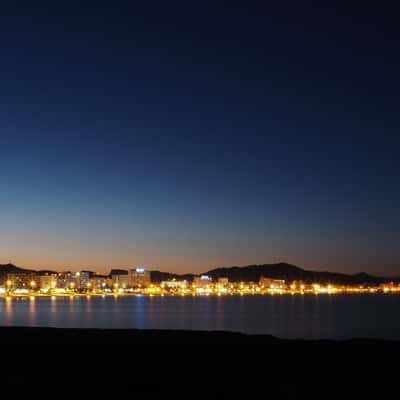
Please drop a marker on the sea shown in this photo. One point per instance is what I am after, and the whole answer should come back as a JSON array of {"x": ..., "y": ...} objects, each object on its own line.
[{"x": 285, "y": 316}]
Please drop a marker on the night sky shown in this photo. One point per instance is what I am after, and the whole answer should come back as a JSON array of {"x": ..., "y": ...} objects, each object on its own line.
[{"x": 190, "y": 137}]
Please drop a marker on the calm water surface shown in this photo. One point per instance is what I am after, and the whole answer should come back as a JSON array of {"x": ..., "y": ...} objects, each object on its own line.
[{"x": 314, "y": 317}]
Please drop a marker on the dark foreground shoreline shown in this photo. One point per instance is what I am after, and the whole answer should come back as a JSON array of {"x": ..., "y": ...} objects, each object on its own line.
[{"x": 192, "y": 364}]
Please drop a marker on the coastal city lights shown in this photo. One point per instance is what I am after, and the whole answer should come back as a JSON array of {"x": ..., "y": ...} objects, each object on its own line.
[
  {"x": 200, "y": 199},
  {"x": 138, "y": 281}
]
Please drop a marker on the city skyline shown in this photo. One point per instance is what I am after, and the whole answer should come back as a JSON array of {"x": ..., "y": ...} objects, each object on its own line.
[
  {"x": 186, "y": 139},
  {"x": 126, "y": 267},
  {"x": 200, "y": 199}
]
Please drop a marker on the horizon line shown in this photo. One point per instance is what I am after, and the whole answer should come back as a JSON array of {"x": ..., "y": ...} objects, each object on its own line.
[{"x": 125, "y": 267}]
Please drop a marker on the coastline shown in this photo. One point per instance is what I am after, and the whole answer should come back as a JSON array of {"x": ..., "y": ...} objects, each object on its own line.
[{"x": 33, "y": 296}]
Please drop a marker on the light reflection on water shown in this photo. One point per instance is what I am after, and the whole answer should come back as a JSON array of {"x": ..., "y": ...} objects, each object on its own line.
[{"x": 322, "y": 316}]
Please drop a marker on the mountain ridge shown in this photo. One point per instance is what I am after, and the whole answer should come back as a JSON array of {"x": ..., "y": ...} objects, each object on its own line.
[
  {"x": 286, "y": 271},
  {"x": 290, "y": 272},
  {"x": 252, "y": 273}
]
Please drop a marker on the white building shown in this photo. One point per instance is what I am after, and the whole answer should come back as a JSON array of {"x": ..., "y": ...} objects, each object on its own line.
[
  {"x": 202, "y": 282},
  {"x": 174, "y": 285},
  {"x": 139, "y": 277}
]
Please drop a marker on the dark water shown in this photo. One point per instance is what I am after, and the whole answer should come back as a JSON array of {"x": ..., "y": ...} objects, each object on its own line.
[{"x": 321, "y": 316}]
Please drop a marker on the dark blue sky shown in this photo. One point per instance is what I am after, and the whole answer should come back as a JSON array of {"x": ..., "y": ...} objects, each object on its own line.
[{"x": 203, "y": 136}]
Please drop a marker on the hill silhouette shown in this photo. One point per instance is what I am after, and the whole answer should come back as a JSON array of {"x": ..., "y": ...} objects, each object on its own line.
[
  {"x": 249, "y": 273},
  {"x": 11, "y": 269},
  {"x": 158, "y": 276},
  {"x": 288, "y": 272}
]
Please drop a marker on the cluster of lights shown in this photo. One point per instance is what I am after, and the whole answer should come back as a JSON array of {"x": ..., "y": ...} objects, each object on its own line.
[{"x": 201, "y": 286}]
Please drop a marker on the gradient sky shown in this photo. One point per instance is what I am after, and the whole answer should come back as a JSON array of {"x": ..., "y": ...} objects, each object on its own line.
[{"x": 189, "y": 138}]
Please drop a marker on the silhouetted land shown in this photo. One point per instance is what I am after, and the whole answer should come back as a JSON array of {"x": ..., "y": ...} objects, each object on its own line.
[
  {"x": 288, "y": 272},
  {"x": 184, "y": 364},
  {"x": 251, "y": 273}
]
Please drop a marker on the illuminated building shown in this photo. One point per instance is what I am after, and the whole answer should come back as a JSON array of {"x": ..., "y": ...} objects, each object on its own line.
[
  {"x": 269, "y": 283},
  {"x": 47, "y": 281},
  {"x": 202, "y": 282},
  {"x": 22, "y": 280},
  {"x": 120, "y": 279},
  {"x": 83, "y": 279},
  {"x": 139, "y": 277},
  {"x": 72, "y": 280},
  {"x": 223, "y": 282},
  {"x": 63, "y": 279},
  {"x": 174, "y": 285},
  {"x": 100, "y": 282}
]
